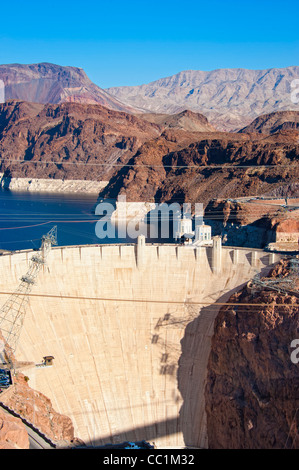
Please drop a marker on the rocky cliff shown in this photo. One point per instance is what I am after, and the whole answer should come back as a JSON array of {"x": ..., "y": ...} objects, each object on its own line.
[
  {"x": 13, "y": 434},
  {"x": 37, "y": 409},
  {"x": 198, "y": 167},
  {"x": 84, "y": 141},
  {"x": 32, "y": 406},
  {"x": 252, "y": 384}
]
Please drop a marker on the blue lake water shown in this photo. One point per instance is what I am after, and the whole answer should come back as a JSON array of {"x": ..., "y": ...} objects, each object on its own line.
[{"x": 26, "y": 216}]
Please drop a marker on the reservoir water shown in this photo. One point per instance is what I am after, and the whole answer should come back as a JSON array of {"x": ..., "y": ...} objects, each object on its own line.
[{"x": 26, "y": 216}]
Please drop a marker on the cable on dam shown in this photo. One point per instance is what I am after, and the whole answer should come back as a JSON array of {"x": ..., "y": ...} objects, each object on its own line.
[{"x": 181, "y": 302}]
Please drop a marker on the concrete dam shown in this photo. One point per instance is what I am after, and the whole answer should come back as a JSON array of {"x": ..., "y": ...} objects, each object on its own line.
[{"x": 130, "y": 328}]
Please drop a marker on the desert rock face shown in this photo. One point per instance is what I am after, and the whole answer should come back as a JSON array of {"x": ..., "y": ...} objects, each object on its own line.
[
  {"x": 287, "y": 230},
  {"x": 84, "y": 140},
  {"x": 274, "y": 122},
  {"x": 37, "y": 409},
  {"x": 289, "y": 225},
  {"x": 230, "y": 98},
  {"x": 185, "y": 120},
  {"x": 271, "y": 213},
  {"x": 198, "y": 167},
  {"x": 252, "y": 384},
  {"x": 159, "y": 161},
  {"x": 13, "y": 434},
  {"x": 50, "y": 83}
]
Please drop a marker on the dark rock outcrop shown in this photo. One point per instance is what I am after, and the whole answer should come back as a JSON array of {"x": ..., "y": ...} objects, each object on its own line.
[{"x": 197, "y": 167}]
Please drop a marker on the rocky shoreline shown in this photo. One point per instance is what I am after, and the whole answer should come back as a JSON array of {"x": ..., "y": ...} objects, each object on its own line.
[{"x": 51, "y": 185}]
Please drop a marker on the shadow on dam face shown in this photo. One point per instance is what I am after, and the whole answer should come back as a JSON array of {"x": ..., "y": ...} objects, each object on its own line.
[
  {"x": 192, "y": 372},
  {"x": 150, "y": 433},
  {"x": 191, "y": 378},
  {"x": 127, "y": 370},
  {"x": 191, "y": 375}
]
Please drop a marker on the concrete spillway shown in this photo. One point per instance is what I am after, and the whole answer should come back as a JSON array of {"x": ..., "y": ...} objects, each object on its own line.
[{"x": 133, "y": 368}]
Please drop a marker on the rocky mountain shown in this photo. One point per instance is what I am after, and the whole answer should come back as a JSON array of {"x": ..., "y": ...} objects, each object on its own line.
[
  {"x": 186, "y": 120},
  {"x": 274, "y": 122},
  {"x": 50, "y": 83},
  {"x": 84, "y": 141},
  {"x": 145, "y": 160},
  {"x": 230, "y": 98},
  {"x": 198, "y": 167},
  {"x": 252, "y": 383}
]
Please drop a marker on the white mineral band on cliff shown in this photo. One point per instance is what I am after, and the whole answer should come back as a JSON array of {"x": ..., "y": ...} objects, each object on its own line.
[{"x": 51, "y": 185}]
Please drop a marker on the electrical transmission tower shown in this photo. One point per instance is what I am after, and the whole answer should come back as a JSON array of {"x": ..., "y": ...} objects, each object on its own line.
[
  {"x": 286, "y": 284},
  {"x": 13, "y": 312}
]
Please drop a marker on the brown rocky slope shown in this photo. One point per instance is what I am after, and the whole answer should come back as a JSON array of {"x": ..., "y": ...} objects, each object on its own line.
[
  {"x": 32, "y": 406},
  {"x": 274, "y": 122},
  {"x": 13, "y": 433},
  {"x": 186, "y": 120},
  {"x": 198, "y": 167},
  {"x": 84, "y": 140},
  {"x": 252, "y": 384},
  {"x": 144, "y": 160},
  {"x": 36, "y": 409}
]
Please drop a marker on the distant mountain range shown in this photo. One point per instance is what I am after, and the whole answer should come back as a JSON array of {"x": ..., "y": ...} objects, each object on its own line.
[
  {"x": 229, "y": 98},
  {"x": 59, "y": 126},
  {"x": 50, "y": 83}
]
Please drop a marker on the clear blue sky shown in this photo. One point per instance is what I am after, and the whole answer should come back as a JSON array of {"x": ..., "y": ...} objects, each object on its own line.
[{"x": 134, "y": 42}]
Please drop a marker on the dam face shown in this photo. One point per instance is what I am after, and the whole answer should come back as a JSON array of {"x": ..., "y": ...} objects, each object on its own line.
[{"x": 130, "y": 365}]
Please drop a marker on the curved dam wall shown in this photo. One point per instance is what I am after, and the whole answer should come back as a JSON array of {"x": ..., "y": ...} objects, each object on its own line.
[{"x": 130, "y": 364}]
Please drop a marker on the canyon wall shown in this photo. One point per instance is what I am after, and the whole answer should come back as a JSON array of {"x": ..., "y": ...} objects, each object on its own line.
[{"x": 252, "y": 385}]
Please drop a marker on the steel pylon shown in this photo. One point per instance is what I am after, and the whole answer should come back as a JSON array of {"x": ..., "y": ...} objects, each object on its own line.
[{"x": 12, "y": 313}]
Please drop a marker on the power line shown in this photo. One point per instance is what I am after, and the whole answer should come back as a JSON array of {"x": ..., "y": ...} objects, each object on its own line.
[
  {"x": 27, "y": 240},
  {"x": 50, "y": 222},
  {"x": 253, "y": 210},
  {"x": 123, "y": 165},
  {"x": 186, "y": 303}
]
